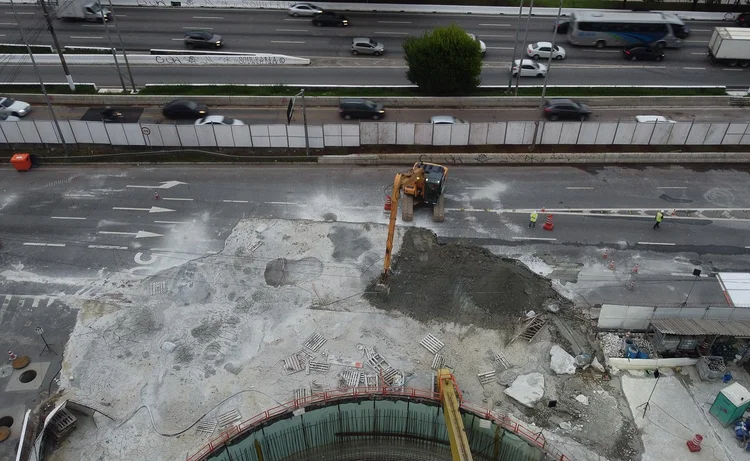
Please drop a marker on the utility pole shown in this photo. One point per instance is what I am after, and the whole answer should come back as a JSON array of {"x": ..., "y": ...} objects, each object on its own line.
[
  {"x": 546, "y": 76},
  {"x": 304, "y": 120},
  {"x": 39, "y": 77},
  {"x": 523, "y": 45},
  {"x": 59, "y": 49},
  {"x": 515, "y": 45},
  {"x": 114, "y": 50},
  {"x": 122, "y": 46}
]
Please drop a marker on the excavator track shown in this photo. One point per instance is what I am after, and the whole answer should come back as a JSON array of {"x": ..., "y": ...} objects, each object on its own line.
[{"x": 438, "y": 211}]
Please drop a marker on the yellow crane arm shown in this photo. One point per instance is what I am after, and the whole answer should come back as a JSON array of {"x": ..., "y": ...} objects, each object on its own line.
[
  {"x": 401, "y": 180},
  {"x": 460, "y": 448}
]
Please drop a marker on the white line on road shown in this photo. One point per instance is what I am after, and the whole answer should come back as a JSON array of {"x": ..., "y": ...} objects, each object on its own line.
[
  {"x": 205, "y": 17},
  {"x": 495, "y": 25},
  {"x": 107, "y": 247},
  {"x": 296, "y": 19},
  {"x": 10, "y": 12},
  {"x": 734, "y": 70},
  {"x": 394, "y": 22},
  {"x": 177, "y": 39},
  {"x": 85, "y": 37},
  {"x": 694, "y": 68},
  {"x": 8, "y": 23},
  {"x": 699, "y": 54},
  {"x": 235, "y": 201},
  {"x": 153, "y": 209},
  {"x": 291, "y": 30},
  {"x": 286, "y": 41},
  {"x": 605, "y": 51},
  {"x": 672, "y": 187},
  {"x": 2, "y": 35},
  {"x": 496, "y": 36},
  {"x": 36, "y": 244},
  {"x": 683, "y": 274},
  {"x": 546, "y": 239},
  {"x": 65, "y": 217},
  {"x": 138, "y": 235},
  {"x": 171, "y": 222},
  {"x": 657, "y": 243},
  {"x": 178, "y": 199},
  {"x": 392, "y": 33},
  {"x": 695, "y": 41},
  {"x": 198, "y": 28},
  {"x": 701, "y": 30},
  {"x": 747, "y": 248},
  {"x": 4, "y": 307},
  {"x": 580, "y": 188},
  {"x": 281, "y": 203},
  {"x": 499, "y": 47}
]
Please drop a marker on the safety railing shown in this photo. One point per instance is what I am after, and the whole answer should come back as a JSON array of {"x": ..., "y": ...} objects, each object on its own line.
[{"x": 536, "y": 439}]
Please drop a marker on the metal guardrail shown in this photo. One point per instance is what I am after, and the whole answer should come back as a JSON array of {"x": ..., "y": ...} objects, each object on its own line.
[{"x": 536, "y": 439}]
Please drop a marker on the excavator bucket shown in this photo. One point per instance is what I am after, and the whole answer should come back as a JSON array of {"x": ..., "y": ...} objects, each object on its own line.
[{"x": 382, "y": 286}]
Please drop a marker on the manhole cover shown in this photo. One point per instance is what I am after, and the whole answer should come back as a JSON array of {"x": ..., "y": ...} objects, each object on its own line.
[
  {"x": 21, "y": 362},
  {"x": 27, "y": 376},
  {"x": 4, "y": 433},
  {"x": 6, "y": 421}
]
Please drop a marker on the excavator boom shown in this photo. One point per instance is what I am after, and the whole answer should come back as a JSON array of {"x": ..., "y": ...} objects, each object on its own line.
[{"x": 449, "y": 397}]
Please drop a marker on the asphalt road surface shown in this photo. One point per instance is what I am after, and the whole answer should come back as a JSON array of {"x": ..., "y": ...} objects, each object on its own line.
[
  {"x": 275, "y": 32},
  {"x": 321, "y": 115}
]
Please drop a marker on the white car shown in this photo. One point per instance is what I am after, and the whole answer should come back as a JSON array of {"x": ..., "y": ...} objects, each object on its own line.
[
  {"x": 528, "y": 68},
  {"x": 218, "y": 120},
  {"x": 303, "y": 9},
  {"x": 482, "y": 45},
  {"x": 544, "y": 49},
  {"x": 652, "y": 119},
  {"x": 15, "y": 108},
  {"x": 445, "y": 120}
]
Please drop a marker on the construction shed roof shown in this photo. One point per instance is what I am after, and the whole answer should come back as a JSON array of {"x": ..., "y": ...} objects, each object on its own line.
[{"x": 700, "y": 327}]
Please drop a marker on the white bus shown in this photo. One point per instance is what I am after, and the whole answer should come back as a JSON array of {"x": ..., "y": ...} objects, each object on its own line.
[{"x": 591, "y": 28}]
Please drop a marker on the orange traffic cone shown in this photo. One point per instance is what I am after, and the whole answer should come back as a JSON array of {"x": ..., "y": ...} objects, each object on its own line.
[
  {"x": 156, "y": 195},
  {"x": 388, "y": 203},
  {"x": 548, "y": 226},
  {"x": 695, "y": 444},
  {"x": 11, "y": 356}
]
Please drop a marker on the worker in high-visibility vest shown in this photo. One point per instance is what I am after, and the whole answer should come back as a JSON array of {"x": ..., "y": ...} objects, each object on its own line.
[
  {"x": 532, "y": 219},
  {"x": 659, "y": 218}
]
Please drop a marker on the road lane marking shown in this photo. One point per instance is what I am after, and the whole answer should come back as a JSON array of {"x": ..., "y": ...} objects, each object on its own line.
[
  {"x": 672, "y": 187},
  {"x": 37, "y": 244},
  {"x": 281, "y": 203},
  {"x": 694, "y": 68},
  {"x": 177, "y": 199},
  {"x": 8, "y": 23},
  {"x": 153, "y": 209},
  {"x": 605, "y": 51},
  {"x": 699, "y": 54},
  {"x": 545, "y": 239},
  {"x": 162, "y": 185},
  {"x": 11, "y": 12},
  {"x": 296, "y": 19},
  {"x": 286, "y": 41},
  {"x": 292, "y": 30},
  {"x": 747, "y": 248},
  {"x": 394, "y": 22},
  {"x": 684, "y": 274},
  {"x": 695, "y": 41},
  {"x": 198, "y": 28},
  {"x": 208, "y": 17},
  {"x": 499, "y": 47},
  {"x": 496, "y": 36},
  {"x": 580, "y": 188},
  {"x": 65, "y": 217},
  {"x": 495, "y": 25},
  {"x": 701, "y": 30},
  {"x": 85, "y": 37},
  {"x": 657, "y": 243},
  {"x": 178, "y": 39},
  {"x": 138, "y": 235},
  {"x": 392, "y": 33},
  {"x": 736, "y": 70},
  {"x": 171, "y": 222},
  {"x": 107, "y": 247},
  {"x": 235, "y": 201}
]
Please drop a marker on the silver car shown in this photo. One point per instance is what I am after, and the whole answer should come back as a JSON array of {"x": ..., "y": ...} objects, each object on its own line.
[
  {"x": 304, "y": 9},
  {"x": 366, "y": 45},
  {"x": 219, "y": 120},
  {"x": 445, "y": 120},
  {"x": 15, "y": 108}
]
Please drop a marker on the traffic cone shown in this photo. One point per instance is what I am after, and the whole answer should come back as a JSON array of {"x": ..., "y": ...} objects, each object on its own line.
[
  {"x": 612, "y": 265},
  {"x": 156, "y": 195},
  {"x": 636, "y": 268},
  {"x": 605, "y": 255},
  {"x": 695, "y": 444},
  {"x": 11, "y": 356},
  {"x": 674, "y": 212},
  {"x": 388, "y": 204},
  {"x": 548, "y": 226}
]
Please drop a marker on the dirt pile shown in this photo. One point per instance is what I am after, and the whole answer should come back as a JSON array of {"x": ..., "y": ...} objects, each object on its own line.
[{"x": 460, "y": 283}]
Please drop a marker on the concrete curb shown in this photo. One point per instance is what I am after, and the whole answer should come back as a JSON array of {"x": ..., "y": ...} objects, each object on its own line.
[
  {"x": 197, "y": 60},
  {"x": 530, "y": 158},
  {"x": 331, "y": 101}
]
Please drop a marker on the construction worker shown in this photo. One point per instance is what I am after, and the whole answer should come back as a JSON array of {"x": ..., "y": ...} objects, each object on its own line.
[
  {"x": 659, "y": 218},
  {"x": 532, "y": 219}
]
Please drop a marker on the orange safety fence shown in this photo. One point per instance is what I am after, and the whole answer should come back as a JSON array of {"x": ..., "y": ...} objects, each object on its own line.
[{"x": 536, "y": 439}]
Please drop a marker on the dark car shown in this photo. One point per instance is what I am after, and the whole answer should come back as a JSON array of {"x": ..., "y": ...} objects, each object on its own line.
[
  {"x": 643, "y": 52},
  {"x": 184, "y": 108},
  {"x": 201, "y": 39},
  {"x": 555, "y": 109},
  {"x": 743, "y": 20},
  {"x": 329, "y": 18},
  {"x": 562, "y": 26},
  {"x": 360, "y": 108}
]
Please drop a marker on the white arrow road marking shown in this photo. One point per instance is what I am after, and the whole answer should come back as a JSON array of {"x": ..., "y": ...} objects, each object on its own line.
[
  {"x": 153, "y": 209},
  {"x": 138, "y": 235},
  {"x": 164, "y": 185}
]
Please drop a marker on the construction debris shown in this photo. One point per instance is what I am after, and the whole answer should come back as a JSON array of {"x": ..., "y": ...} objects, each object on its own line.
[
  {"x": 432, "y": 344},
  {"x": 486, "y": 377},
  {"x": 314, "y": 342},
  {"x": 438, "y": 362},
  {"x": 561, "y": 362},
  {"x": 228, "y": 418}
]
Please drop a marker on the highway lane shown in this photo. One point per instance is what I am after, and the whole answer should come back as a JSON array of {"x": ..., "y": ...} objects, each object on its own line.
[
  {"x": 350, "y": 72},
  {"x": 323, "y": 115}
]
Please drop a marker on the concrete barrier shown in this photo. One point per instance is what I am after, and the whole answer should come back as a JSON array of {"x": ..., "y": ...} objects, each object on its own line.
[
  {"x": 166, "y": 60},
  {"x": 530, "y": 102},
  {"x": 526, "y": 158},
  {"x": 649, "y": 364}
]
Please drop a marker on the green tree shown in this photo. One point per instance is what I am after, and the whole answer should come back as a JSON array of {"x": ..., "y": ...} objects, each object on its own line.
[{"x": 444, "y": 61}]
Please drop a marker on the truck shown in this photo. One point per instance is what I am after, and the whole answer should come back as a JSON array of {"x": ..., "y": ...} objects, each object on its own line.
[
  {"x": 82, "y": 10},
  {"x": 730, "y": 46}
]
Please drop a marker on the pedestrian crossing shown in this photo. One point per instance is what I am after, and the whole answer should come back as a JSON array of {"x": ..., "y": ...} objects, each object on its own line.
[{"x": 12, "y": 306}]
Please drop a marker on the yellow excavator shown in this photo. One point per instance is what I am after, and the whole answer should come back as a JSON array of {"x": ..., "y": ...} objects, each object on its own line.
[
  {"x": 450, "y": 398},
  {"x": 423, "y": 184}
]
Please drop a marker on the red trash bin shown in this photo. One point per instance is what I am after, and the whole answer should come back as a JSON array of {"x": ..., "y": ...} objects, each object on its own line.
[{"x": 22, "y": 161}]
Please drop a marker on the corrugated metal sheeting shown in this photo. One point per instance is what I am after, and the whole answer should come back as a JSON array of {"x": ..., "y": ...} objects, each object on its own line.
[{"x": 699, "y": 327}]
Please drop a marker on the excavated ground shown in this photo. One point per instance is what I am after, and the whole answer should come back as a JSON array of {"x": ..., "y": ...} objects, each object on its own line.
[{"x": 458, "y": 283}]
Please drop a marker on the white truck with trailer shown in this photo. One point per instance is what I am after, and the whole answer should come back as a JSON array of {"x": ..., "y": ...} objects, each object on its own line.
[
  {"x": 82, "y": 10},
  {"x": 730, "y": 46}
]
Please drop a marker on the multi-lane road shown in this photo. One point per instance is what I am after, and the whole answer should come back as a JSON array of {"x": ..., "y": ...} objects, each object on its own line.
[{"x": 276, "y": 32}]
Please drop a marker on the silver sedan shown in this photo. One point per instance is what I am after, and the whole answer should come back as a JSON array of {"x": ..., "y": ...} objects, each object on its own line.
[
  {"x": 15, "y": 108},
  {"x": 303, "y": 9}
]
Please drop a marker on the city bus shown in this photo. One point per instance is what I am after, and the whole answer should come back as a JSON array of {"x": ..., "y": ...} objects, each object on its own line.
[{"x": 599, "y": 29}]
